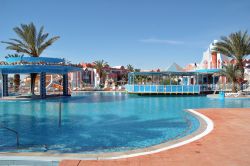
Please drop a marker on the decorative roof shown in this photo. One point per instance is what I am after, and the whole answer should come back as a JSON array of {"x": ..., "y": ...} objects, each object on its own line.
[
  {"x": 165, "y": 73},
  {"x": 175, "y": 68}
]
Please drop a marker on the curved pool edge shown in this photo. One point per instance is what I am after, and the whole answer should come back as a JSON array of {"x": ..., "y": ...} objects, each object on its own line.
[{"x": 206, "y": 126}]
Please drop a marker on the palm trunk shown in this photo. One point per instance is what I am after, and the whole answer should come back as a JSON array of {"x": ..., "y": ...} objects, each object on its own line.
[
  {"x": 233, "y": 87},
  {"x": 32, "y": 82},
  {"x": 242, "y": 71},
  {"x": 16, "y": 82},
  {"x": 241, "y": 68},
  {"x": 101, "y": 80}
]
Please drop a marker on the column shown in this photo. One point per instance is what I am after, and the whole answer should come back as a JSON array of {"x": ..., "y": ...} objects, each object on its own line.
[
  {"x": 5, "y": 85},
  {"x": 197, "y": 80},
  {"x": 213, "y": 86},
  {"x": 189, "y": 80},
  {"x": 133, "y": 78},
  {"x": 92, "y": 77},
  {"x": 170, "y": 81},
  {"x": 65, "y": 84},
  {"x": 43, "y": 85}
]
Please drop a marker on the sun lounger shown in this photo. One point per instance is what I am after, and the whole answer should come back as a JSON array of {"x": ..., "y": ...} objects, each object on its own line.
[{"x": 239, "y": 93}]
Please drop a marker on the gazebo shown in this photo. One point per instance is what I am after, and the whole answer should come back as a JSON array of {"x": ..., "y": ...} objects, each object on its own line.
[
  {"x": 195, "y": 82},
  {"x": 39, "y": 65}
]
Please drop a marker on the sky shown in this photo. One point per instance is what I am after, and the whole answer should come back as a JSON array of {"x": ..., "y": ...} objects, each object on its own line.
[{"x": 148, "y": 34}]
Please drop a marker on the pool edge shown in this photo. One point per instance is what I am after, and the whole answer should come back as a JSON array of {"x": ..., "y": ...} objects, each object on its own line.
[{"x": 206, "y": 126}]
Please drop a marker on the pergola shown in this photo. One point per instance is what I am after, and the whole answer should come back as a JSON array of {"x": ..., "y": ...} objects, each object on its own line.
[
  {"x": 196, "y": 74},
  {"x": 39, "y": 65},
  {"x": 194, "y": 82}
]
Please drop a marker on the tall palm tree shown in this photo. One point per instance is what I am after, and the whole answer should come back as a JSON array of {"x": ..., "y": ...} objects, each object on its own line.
[
  {"x": 130, "y": 68},
  {"x": 99, "y": 66},
  {"x": 236, "y": 46},
  {"x": 31, "y": 42},
  {"x": 233, "y": 74}
]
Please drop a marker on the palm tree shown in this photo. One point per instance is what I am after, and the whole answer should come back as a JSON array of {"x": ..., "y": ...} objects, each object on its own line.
[
  {"x": 137, "y": 70},
  {"x": 99, "y": 66},
  {"x": 130, "y": 68},
  {"x": 236, "y": 46},
  {"x": 233, "y": 74},
  {"x": 30, "y": 42}
]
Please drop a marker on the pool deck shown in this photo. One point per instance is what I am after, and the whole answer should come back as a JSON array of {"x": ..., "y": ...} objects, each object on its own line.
[{"x": 227, "y": 144}]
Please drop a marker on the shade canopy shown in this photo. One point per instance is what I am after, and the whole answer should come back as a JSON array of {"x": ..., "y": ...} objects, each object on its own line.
[
  {"x": 24, "y": 69},
  {"x": 167, "y": 73},
  {"x": 25, "y": 65},
  {"x": 209, "y": 71}
]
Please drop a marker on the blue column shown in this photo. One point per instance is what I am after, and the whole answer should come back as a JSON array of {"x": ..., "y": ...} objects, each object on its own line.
[
  {"x": 5, "y": 85},
  {"x": 65, "y": 85},
  {"x": 43, "y": 85}
]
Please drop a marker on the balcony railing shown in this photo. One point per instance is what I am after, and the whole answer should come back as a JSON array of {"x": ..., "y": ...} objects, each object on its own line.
[
  {"x": 175, "y": 89},
  {"x": 180, "y": 89}
]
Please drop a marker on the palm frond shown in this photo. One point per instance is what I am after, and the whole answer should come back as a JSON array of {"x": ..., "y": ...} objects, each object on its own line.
[
  {"x": 22, "y": 44},
  {"x": 43, "y": 46},
  {"x": 236, "y": 45},
  {"x": 30, "y": 42}
]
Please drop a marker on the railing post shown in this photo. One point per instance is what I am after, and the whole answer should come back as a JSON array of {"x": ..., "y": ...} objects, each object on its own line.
[{"x": 17, "y": 135}]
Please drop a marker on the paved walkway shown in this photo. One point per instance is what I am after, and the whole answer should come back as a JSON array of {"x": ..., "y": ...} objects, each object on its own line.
[{"x": 227, "y": 144}]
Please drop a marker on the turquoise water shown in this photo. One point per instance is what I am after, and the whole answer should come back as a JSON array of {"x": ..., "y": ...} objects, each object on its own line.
[{"x": 100, "y": 122}]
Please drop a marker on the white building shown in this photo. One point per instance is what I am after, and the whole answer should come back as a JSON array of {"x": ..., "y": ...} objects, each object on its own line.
[{"x": 212, "y": 59}]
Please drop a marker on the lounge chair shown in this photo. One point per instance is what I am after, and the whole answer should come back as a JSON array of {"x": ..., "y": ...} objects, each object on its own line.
[{"x": 239, "y": 93}]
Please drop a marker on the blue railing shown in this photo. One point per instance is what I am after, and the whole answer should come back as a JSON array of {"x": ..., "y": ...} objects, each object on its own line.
[{"x": 163, "y": 88}]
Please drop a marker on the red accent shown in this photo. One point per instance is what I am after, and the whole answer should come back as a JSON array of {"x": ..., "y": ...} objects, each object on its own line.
[{"x": 214, "y": 60}]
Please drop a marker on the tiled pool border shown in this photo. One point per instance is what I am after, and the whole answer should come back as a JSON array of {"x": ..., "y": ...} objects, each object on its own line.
[{"x": 206, "y": 126}]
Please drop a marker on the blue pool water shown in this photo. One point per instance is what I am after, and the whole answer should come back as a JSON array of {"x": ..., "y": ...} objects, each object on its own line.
[{"x": 100, "y": 122}]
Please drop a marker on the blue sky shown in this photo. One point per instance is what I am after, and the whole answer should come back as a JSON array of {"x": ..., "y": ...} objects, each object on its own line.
[{"x": 145, "y": 33}]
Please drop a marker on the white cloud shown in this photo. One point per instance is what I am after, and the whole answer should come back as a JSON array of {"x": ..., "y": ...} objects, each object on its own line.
[{"x": 161, "y": 41}]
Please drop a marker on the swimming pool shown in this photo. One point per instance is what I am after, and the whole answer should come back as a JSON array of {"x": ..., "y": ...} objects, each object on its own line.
[{"x": 100, "y": 122}]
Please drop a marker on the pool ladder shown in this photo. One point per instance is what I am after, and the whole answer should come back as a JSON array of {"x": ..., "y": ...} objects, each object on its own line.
[{"x": 13, "y": 131}]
